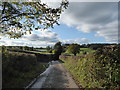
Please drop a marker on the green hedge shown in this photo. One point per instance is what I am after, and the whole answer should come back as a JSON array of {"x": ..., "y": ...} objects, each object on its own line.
[
  {"x": 19, "y": 69},
  {"x": 95, "y": 70}
]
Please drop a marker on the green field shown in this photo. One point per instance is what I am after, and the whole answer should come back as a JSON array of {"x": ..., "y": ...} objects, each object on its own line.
[
  {"x": 82, "y": 51},
  {"x": 87, "y": 50},
  {"x": 40, "y": 52}
]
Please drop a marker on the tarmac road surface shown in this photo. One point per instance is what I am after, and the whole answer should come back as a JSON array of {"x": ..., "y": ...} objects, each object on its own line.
[{"x": 56, "y": 76}]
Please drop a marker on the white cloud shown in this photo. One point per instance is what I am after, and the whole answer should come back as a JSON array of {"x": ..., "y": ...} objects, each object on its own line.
[
  {"x": 37, "y": 39},
  {"x": 78, "y": 41},
  {"x": 109, "y": 32},
  {"x": 46, "y": 1},
  {"x": 99, "y": 17},
  {"x": 43, "y": 36},
  {"x": 43, "y": 39},
  {"x": 2, "y": 43}
]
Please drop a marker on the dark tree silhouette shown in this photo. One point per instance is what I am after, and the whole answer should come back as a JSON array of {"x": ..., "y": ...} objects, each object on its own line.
[{"x": 57, "y": 50}]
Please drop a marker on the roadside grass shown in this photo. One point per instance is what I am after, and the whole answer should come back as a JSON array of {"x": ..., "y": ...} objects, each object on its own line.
[
  {"x": 22, "y": 79},
  {"x": 19, "y": 69},
  {"x": 83, "y": 70},
  {"x": 95, "y": 70}
]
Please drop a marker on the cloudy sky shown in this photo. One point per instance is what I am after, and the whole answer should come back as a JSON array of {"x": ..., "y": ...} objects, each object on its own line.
[{"x": 82, "y": 22}]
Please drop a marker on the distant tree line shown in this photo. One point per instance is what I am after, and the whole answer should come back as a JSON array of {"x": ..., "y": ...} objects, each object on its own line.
[
  {"x": 59, "y": 48},
  {"x": 10, "y": 48}
]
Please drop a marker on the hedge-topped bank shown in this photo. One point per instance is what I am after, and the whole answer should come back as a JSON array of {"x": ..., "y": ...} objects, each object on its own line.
[
  {"x": 19, "y": 69},
  {"x": 95, "y": 70}
]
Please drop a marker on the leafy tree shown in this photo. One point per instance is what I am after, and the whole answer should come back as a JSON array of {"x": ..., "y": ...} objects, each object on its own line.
[
  {"x": 20, "y": 18},
  {"x": 4, "y": 48},
  {"x": 57, "y": 50},
  {"x": 31, "y": 48},
  {"x": 65, "y": 46},
  {"x": 74, "y": 49},
  {"x": 49, "y": 49},
  {"x": 26, "y": 48}
]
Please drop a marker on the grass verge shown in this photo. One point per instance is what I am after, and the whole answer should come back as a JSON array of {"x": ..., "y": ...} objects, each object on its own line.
[
  {"x": 19, "y": 69},
  {"x": 95, "y": 70}
]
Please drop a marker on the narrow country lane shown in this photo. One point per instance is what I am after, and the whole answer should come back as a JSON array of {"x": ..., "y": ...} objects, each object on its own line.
[{"x": 56, "y": 76}]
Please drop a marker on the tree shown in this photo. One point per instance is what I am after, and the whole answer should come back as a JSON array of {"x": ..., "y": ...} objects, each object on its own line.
[
  {"x": 26, "y": 48},
  {"x": 74, "y": 49},
  {"x": 20, "y": 18},
  {"x": 65, "y": 46},
  {"x": 57, "y": 50},
  {"x": 49, "y": 49}
]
